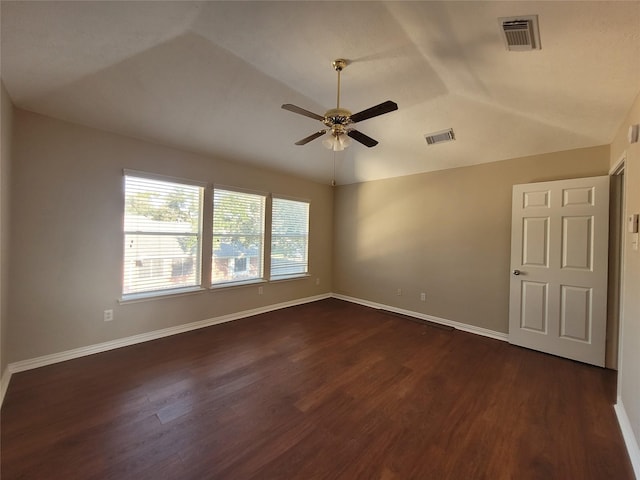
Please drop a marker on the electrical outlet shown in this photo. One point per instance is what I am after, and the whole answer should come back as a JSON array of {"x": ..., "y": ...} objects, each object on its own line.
[
  {"x": 317, "y": 281},
  {"x": 399, "y": 292},
  {"x": 423, "y": 297},
  {"x": 108, "y": 315},
  {"x": 260, "y": 290}
]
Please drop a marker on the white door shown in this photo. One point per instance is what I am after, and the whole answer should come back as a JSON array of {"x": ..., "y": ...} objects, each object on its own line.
[{"x": 558, "y": 288}]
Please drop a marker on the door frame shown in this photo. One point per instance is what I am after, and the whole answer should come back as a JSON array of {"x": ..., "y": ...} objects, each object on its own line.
[{"x": 618, "y": 169}]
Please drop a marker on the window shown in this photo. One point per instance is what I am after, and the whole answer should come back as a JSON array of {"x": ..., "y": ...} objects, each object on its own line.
[
  {"x": 162, "y": 235},
  {"x": 238, "y": 236},
  {"x": 289, "y": 237},
  {"x": 163, "y": 225}
]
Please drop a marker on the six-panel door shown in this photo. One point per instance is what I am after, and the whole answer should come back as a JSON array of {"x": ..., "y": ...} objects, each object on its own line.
[{"x": 558, "y": 287}]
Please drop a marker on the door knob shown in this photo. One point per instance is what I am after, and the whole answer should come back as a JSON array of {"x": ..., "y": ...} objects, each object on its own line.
[{"x": 516, "y": 272}]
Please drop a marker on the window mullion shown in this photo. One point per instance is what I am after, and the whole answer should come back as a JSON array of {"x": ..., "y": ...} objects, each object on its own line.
[
  {"x": 207, "y": 240},
  {"x": 267, "y": 235}
]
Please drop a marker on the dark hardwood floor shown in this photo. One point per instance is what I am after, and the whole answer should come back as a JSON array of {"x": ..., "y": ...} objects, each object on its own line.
[{"x": 327, "y": 390}]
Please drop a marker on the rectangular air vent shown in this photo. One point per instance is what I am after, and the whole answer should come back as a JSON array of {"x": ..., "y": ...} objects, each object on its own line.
[
  {"x": 520, "y": 33},
  {"x": 440, "y": 137}
]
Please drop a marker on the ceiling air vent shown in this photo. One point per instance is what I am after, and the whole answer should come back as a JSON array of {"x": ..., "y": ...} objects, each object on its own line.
[
  {"x": 440, "y": 137},
  {"x": 520, "y": 33}
]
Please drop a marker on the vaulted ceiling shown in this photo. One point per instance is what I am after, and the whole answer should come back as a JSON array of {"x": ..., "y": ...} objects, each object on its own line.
[{"x": 210, "y": 77}]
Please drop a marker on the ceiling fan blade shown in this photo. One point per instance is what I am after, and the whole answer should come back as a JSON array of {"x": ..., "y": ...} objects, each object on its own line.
[
  {"x": 302, "y": 111},
  {"x": 384, "y": 107},
  {"x": 313, "y": 136},
  {"x": 362, "y": 138}
]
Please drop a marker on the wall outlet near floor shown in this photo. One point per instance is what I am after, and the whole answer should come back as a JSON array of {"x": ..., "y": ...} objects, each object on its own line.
[
  {"x": 318, "y": 281},
  {"x": 108, "y": 315},
  {"x": 423, "y": 297},
  {"x": 399, "y": 292},
  {"x": 260, "y": 290}
]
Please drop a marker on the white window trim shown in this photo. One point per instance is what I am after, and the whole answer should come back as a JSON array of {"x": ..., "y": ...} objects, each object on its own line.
[
  {"x": 146, "y": 296},
  {"x": 294, "y": 199},
  {"x": 164, "y": 178},
  {"x": 267, "y": 212},
  {"x": 292, "y": 276},
  {"x": 229, "y": 188},
  {"x": 171, "y": 292},
  {"x": 289, "y": 276},
  {"x": 238, "y": 283}
]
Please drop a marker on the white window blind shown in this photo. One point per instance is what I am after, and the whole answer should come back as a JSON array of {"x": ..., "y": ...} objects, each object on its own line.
[
  {"x": 289, "y": 237},
  {"x": 238, "y": 236},
  {"x": 162, "y": 235}
]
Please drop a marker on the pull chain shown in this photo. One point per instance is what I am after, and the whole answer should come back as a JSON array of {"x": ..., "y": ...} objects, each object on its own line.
[{"x": 333, "y": 182}]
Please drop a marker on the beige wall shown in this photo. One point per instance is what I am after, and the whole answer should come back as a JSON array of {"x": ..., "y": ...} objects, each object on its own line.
[
  {"x": 446, "y": 233},
  {"x": 67, "y": 237},
  {"x": 629, "y": 366},
  {"x": 6, "y": 126}
]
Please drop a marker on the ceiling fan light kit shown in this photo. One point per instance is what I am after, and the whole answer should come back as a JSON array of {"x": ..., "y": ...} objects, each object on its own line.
[
  {"x": 339, "y": 120},
  {"x": 337, "y": 143}
]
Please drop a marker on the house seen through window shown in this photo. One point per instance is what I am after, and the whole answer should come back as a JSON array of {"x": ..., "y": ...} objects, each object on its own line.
[
  {"x": 162, "y": 240},
  {"x": 238, "y": 236}
]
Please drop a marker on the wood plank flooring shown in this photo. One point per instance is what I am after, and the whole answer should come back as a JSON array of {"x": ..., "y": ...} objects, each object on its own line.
[{"x": 327, "y": 390}]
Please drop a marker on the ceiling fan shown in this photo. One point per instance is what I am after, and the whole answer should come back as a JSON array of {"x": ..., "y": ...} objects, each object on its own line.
[{"x": 339, "y": 120}]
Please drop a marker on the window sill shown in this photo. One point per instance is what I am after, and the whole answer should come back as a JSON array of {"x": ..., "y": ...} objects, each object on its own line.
[
  {"x": 284, "y": 278},
  {"x": 147, "y": 296},
  {"x": 242, "y": 283}
]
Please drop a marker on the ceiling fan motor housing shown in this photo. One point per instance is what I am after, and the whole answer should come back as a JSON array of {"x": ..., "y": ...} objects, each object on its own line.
[{"x": 337, "y": 116}]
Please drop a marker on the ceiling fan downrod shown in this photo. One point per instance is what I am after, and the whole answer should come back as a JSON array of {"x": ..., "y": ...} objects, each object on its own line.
[{"x": 338, "y": 65}]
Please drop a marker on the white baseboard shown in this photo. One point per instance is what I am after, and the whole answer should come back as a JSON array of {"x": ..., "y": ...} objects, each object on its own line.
[
  {"x": 443, "y": 321},
  {"x": 44, "y": 360},
  {"x": 628, "y": 436},
  {"x": 4, "y": 383},
  {"x": 145, "y": 337}
]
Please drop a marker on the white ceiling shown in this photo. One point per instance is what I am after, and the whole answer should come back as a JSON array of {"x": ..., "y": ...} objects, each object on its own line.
[{"x": 210, "y": 77}]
